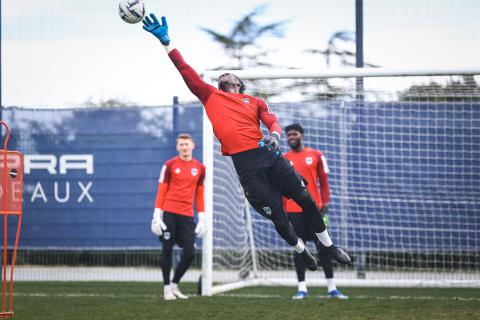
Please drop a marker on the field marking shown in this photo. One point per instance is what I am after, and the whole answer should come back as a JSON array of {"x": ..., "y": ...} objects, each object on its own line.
[
  {"x": 238, "y": 295},
  {"x": 87, "y": 295},
  {"x": 361, "y": 297}
]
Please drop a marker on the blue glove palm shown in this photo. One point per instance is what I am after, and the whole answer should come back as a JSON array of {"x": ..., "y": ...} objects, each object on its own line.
[
  {"x": 270, "y": 142},
  {"x": 158, "y": 30}
]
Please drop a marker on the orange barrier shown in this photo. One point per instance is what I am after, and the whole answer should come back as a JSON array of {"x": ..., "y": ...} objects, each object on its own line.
[{"x": 11, "y": 187}]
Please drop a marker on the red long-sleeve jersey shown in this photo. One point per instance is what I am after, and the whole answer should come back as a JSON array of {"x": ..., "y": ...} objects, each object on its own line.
[
  {"x": 179, "y": 184},
  {"x": 312, "y": 165},
  {"x": 235, "y": 117}
]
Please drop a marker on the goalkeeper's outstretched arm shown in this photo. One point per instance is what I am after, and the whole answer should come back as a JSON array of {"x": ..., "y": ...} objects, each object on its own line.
[{"x": 197, "y": 86}]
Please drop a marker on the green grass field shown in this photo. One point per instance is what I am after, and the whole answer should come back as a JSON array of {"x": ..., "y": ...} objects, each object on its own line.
[{"x": 106, "y": 300}]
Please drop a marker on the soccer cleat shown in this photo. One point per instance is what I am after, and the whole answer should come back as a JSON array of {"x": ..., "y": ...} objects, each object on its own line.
[
  {"x": 169, "y": 296},
  {"x": 300, "y": 295},
  {"x": 176, "y": 293},
  {"x": 308, "y": 260},
  {"x": 338, "y": 254},
  {"x": 337, "y": 294}
]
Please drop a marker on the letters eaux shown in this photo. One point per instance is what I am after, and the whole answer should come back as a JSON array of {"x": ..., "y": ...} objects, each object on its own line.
[{"x": 60, "y": 165}]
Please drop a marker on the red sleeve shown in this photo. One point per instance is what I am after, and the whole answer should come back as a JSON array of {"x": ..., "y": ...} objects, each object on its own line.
[
  {"x": 202, "y": 175},
  {"x": 323, "y": 177},
  {"x": 165, "y": 173},
  {"x": 197, "y": 86},
  {"x": 200, "y": 191},
  {"x": 163, "y": 182},
  {"x": 200, "y": 199},
  {"x": 268, "y": 117},
  {"x": 161, "y": 192}
]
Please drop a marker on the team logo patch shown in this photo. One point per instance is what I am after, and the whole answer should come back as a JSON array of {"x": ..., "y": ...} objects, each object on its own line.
[
  {"x": 177, "y": 171},
  {"x": 267, "y": 210},
  {"x": 194, "y": 171},
  {"x": 166, "y": 235},
  {"x": 309, "y": 160},
  {"x": 246, "y": 100}
]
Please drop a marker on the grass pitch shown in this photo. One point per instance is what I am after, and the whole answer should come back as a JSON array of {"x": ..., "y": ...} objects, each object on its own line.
[{"x": 126, "y": 300}]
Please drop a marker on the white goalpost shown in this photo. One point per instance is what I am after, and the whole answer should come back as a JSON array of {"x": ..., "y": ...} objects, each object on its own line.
[{"x": 403, "y": 148}]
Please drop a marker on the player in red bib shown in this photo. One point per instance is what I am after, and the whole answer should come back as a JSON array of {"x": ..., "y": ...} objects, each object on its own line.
[
  {"x": 264, "y": 174},
  {"x": 312, "y": 165},
  {"x": 180, "y": 182}
]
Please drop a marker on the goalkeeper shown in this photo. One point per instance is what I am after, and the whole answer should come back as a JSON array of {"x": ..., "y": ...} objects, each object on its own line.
[
  {"x": 312, "y": 165},
  {"x": 264, "y": 174},
  {"x": 181, "y": 180}
]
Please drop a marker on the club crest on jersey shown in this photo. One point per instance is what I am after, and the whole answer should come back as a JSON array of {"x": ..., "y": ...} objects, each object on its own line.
[
  {"x": 194, "y": 171},
  {"x": 267, "y": 210},
  {"x": 309, "y": 160},
  {"x": 246, "y": 100},
  {"x": 177, "y": 171}
]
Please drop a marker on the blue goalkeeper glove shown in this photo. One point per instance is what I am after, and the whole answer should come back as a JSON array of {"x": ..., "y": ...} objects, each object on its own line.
[
  {"x": 271, "y": 142},
  {"x": 158, "y": 30}
]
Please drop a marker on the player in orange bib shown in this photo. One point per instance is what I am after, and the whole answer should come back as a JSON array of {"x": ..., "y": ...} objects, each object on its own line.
[
  {"x": 312, "y": 165},
  {"x": 180, "y": 182},
  {"x": 263, "y": 172}
]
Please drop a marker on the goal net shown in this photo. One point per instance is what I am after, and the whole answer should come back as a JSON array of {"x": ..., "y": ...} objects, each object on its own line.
[{"x": 403, "y": 150}]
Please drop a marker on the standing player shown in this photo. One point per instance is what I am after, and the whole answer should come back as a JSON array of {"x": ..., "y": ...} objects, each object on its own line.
[
  {"x": 181, "y": 180},
  {"x": 264, "y": 174},
  {"x": 311, "y": 164}
]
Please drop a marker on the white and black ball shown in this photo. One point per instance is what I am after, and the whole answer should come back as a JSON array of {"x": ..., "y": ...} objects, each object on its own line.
[{"x": 131, "y": 11}]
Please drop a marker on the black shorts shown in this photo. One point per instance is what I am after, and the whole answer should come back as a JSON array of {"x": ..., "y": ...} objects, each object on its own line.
[
  {"x": 302, "y": 229},
  {"x": 265, "y": 177},
  {"x": 180, "y": 230}
]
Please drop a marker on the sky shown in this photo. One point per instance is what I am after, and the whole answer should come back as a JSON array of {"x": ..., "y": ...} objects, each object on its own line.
[{"x": 62, "y": 53}]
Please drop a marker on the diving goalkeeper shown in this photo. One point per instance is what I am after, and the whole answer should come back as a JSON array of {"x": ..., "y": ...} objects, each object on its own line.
[{"x": 264, "y": 174}]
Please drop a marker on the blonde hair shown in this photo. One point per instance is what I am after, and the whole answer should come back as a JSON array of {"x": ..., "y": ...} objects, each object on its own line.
[{"x": 184, "y": 136}]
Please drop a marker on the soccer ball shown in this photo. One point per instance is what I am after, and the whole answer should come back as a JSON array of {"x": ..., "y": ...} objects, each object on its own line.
[{"x": 131, "y": 11}]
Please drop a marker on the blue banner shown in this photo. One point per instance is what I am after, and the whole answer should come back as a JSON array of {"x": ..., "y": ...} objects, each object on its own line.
[
  {"x": 91, "y": 174},
  {"x": 403, "y": 176}
]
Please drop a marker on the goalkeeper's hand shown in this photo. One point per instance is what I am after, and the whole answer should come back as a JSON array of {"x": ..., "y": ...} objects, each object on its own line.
[
  {"x": 201, "y": 228},
  {"x": 324, "y": 211},
  {"x": 158, "y": 226},
  {"x": 158, "y": 30},
  {"x": 271, "y": 142}
]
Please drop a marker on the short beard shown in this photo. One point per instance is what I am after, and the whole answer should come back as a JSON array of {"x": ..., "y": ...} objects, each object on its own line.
[{"x": 295, "y": 146}]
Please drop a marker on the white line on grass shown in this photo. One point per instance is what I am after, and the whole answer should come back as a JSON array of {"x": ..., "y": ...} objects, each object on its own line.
[
  {"x": 239, "y": 295},
  {"x": 362, "y": 297},
  {"x": 86, "y": 295}
]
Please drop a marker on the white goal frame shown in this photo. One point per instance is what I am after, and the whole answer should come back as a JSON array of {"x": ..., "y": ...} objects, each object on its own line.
[{"x": 208, "y": 288}]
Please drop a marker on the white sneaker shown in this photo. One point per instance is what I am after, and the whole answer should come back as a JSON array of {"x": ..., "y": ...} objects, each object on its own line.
[
  {"x": 176, "y": 293},
  {"x": 169, "y": 296}
]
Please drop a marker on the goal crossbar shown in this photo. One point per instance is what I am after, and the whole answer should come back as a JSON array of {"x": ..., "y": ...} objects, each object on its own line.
[{"x": 210, "y": 75}]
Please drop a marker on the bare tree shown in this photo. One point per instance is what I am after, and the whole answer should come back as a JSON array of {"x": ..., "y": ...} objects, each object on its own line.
[
  {"x": 242, "y": 42},
  {"x": 337, "y": 45}
]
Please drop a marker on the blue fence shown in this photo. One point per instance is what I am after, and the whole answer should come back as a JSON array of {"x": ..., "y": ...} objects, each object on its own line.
[
  {"x": 72, "y": 203},
  {"x": 91, "y": 174}
]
